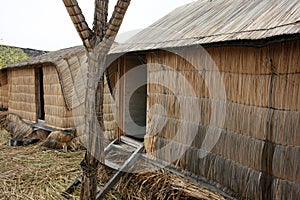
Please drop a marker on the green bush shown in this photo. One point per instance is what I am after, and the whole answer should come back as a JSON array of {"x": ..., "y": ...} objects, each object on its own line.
[{"x": 10, "y": 55}]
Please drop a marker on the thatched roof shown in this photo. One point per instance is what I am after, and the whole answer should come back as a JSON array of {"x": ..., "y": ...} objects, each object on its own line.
[
  {"x": 51, "y": 57},
  {"x": 203, "y": 22},
  {"x": 66, "y": 61},
  {"x": 200, "y": 22},
  {"x": 213, "y": 21}
]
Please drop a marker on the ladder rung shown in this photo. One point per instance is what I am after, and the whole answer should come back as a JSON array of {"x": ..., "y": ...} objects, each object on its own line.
[
  {"x": 131, "y": 142},
  {"x": 112, "y": 165},
  {"x": 123, "y": 148}
]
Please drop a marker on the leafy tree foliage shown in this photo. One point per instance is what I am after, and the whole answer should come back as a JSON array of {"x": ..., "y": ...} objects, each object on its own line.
[{"x": 10, "y": 55}]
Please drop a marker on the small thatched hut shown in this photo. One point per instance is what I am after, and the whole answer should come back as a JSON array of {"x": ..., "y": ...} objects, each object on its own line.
[
  {"x": 255, "y": 47},
  {"x": 41, "y": 89}
]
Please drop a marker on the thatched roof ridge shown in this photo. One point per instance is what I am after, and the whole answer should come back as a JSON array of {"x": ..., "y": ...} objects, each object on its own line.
[
  {"x": 203, "y": 22},
  {"x": 214, "y": 21},
  {"x": 51, "y": 57}
]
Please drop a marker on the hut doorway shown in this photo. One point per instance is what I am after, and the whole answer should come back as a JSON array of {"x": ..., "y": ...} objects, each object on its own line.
[
  {"x": 39, "y": 91},
  {"x": 133, "y": 96}
]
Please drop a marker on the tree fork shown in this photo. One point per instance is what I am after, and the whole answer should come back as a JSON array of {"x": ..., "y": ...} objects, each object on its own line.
[{"x": 97, "y": 43}]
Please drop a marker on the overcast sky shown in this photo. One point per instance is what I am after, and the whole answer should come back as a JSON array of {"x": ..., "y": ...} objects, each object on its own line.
[{"x": 45, "y": 24}]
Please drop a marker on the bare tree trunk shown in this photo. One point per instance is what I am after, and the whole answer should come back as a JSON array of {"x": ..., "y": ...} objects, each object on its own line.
[
  {"x": 97, "y": 44},
  {"x": 95, "y": 148}
]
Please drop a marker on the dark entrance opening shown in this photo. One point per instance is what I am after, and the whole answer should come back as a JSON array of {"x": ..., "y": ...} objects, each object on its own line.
[
  {"x": 39, "y": 85},
  {"x": 133, "y": 96}
]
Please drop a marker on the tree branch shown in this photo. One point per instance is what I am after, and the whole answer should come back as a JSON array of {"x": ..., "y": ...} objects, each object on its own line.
[
  {"x": 79, "y": 22},
  {"x": 100, "y": 19},
  {"x": 113, "y": 25}
]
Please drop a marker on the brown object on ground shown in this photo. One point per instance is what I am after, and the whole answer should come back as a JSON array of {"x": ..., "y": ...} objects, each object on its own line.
[
  {"x": 18, "y": 128},
  {"x": 58, "y": 140},
  {"x": 39, "y": 134}
]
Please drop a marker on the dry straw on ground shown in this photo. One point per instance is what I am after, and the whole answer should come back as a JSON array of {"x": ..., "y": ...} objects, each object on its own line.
[{"x": 35, "y": 172}]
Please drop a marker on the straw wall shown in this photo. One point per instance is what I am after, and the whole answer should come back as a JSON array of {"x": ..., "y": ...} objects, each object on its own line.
[
  {"x": 3, "y": 90},
  {"x": 108, "y": 116},
  {"x": 56, "y": 112},
  {"x": 21, "y": 92},
  {"x": 257, "y": 153}
]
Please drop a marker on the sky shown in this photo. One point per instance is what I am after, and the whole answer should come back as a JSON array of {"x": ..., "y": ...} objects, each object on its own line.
[{"x": 46, "y": 25}]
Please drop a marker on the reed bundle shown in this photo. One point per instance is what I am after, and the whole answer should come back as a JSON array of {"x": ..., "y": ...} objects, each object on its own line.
[
  {"x": 18, "y": 128},
  {"x": 286, "y": 94},
  {"x": 161, "y": 185},
  {"x": 283, "y": 189},
  {"x": 58, "y": 140},
  {"x": 158, "y": 184},
  {"x": 72, "y": 75},
  {"x": 286, "y": 163}
]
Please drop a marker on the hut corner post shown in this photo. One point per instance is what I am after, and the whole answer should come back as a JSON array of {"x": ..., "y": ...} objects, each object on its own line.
[{"x": 97, "y": 43}]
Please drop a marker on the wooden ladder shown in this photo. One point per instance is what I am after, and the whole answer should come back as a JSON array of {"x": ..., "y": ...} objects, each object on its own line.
[
  {"x": 124, "y": 144},
  {"x": 121, "y": 145}
]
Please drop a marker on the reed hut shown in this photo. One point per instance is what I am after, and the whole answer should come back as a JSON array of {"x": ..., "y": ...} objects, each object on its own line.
[
  {"x": 40, "y": 90},
  {"x": 255, "y": 46}
]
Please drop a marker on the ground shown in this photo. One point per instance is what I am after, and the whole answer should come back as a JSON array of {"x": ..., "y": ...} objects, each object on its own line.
[{"x": 35, "y": 172}]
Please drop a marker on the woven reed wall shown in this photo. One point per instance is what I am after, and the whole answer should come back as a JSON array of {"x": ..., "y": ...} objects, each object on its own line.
[
  {"x": 3, "y": 90},
  {"x": 258, "y": 151},
  {"x": 21, "y": 93},
  {"x": 108, "y": 116},
  {"x": 56, "y": 112}
]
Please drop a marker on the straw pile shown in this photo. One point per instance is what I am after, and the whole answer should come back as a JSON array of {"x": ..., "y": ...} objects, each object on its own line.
[
  {"x": 158, "y": 184},
  {"x": 161, "y": 184},
  {"x": 260, "y": 136},
  {"x": 58, "y": 140},
  {"x": 21, "y": 130}
]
